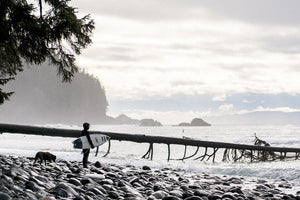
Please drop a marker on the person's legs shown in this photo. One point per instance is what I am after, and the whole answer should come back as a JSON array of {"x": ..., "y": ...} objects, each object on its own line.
[{"x": 86, "y": 153}]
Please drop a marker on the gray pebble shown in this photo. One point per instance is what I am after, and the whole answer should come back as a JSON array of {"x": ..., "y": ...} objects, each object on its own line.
[
  {"x": 159, "y": 194},
  {"x": 107, "y": 182},
  {"x": 63, "y": 188},
  {"x": 201, "y": 193},
  {"x": 194, "y": 198},
  {"x": 32, "y": 186},
  {"x": 171, "y": 198},
  {"x": 96, "y": 191},
  {"x": 4, "y": 196},
  {"x": 98, "y": 164},
  {"x": 74, "y": 181},
  {"x": 62, "y": 193},
  {"x": 146, "y": 168},
  {"x": 113, "y": 194}
]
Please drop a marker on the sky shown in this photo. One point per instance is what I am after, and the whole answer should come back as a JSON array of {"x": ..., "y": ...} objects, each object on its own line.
[{"x": 174, "y": 60}]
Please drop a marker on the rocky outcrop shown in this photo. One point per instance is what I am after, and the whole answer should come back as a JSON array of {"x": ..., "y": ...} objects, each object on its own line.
[
  {"x": 150, "y": 122},
  {"x": 123, "y": 119},
  {"x": 184, "y": 124},
  {"x": 195, "y": 122}
]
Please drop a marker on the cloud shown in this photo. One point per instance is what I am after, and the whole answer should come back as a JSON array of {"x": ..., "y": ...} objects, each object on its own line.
[
  {"x": 277, "y": 109},
  {"x": 256, "y": 11},
  {"x": 248, "y": 101},
  {"x": 146, "y": 49},
  {"x": 286, "y": 41},
  {"x": 220, "y": 97},
  {"x": 267, "y": 12},
  {"x": 146, "y": 11},
  {"x": 226, "y": 107}
]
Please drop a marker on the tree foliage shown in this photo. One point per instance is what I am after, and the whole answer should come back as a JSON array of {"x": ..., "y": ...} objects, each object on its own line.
[{"x": 53, "y": 35}]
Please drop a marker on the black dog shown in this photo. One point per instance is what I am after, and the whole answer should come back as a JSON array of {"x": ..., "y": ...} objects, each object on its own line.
[{"x": 44, "y": 156}]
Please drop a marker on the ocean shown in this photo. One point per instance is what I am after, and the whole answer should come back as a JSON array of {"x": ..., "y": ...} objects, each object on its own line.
[{"x": 128, "y": 153}]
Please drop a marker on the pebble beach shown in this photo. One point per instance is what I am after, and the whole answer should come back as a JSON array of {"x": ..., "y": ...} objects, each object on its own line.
[{"x": 20, "y": 179}]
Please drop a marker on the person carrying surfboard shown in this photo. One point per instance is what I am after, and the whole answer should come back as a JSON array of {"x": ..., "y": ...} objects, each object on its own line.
[{"x": 86, "y": 152}]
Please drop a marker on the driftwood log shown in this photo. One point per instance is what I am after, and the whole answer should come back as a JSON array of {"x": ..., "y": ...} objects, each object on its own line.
[{"x": 231, "y": 151}]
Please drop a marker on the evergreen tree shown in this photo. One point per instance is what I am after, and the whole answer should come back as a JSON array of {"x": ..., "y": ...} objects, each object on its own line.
[{"x": 55, "y": 35}]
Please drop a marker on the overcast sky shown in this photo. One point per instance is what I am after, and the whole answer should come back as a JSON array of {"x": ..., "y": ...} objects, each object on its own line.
[{"x": 175, "y": 60}]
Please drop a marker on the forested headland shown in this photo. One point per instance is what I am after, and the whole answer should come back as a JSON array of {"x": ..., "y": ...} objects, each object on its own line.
[{"x": 41, "y": 98}]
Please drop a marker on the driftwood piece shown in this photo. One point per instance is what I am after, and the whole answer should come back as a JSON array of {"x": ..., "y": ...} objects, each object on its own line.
[{"x": 259, "y": 152}]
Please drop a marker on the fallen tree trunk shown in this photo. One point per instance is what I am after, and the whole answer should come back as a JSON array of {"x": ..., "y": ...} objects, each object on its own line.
[{"x": 33, "y": 130}]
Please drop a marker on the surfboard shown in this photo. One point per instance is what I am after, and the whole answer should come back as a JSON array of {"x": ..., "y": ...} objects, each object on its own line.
[{"x": 83, "y": 143}]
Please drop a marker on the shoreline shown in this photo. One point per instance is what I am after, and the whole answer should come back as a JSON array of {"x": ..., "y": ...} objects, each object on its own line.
[{"x": 68, "y": 180}]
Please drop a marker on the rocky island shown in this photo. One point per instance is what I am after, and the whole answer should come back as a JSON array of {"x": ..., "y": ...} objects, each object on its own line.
[
  {"x": 195, "y": 122},
  {"x": 150, "y": 122},
  {"x": 123, "y": 119}
]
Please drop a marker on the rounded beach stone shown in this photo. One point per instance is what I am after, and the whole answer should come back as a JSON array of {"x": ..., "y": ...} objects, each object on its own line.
[
  {"x": 159, "y": 194},
  {"x": 98, "y": 164},
  {"x": 201, "y": 193},
  {"x": 171, "y": 198},
  {"x": 187, "y": 194},
  {"x": 274, "y": 191},
  {"x": 176, "y": 193},
  {"x": 74, "y": 181},
  {"x": 236, "y": 190},
  {"x": 85, "y": 181},
  {"x": 63, "y": 188},
  {"x": 95, "y": 177},
  {"x": 184, "y": 187},
  {"x": 121, "y": 183},
  {"x": 285, "y": 185},
  {"x": 62, "y": 193},
  {"x": 261, "y": 187},
  {"x": 79, "y": 198},
  {"x": 20, "y": 178},
  {"x": 146, "y": 168},
  {"x": 47, "y": 198},
  {"x": 193, "y": 198},
  {"x": 96, "y": 191},
  {"x": 156, "y": 188},
  {"x": 32, "y": 186},
  {"x": 4, "y": 189},
  {"x": 111, "y": 175},
  {"x": 214, "y": 197},
  {"x": 40, "y": 194},
  {"x": 4, "y": 196},
  {"x": 113, "y": 195},
  {"x": 228, "y": 196},
  {"x": 107, "y": 182}
]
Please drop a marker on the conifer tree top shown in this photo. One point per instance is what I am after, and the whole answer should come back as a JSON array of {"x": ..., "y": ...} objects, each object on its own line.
[{"x": 55, "y": 35}]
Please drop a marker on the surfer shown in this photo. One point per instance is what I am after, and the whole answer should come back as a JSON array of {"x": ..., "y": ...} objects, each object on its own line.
[{"x": 86, "y": 152}]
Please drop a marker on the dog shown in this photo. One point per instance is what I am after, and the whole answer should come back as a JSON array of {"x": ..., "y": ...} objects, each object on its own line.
[{"x": 44, "y": 156}]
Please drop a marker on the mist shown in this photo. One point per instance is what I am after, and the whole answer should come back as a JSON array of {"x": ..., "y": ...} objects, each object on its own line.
[{"x": 41, "y": 98}]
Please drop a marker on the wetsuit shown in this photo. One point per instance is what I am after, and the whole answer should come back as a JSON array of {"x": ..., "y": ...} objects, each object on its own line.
[{"x": 86, "y": 152}]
